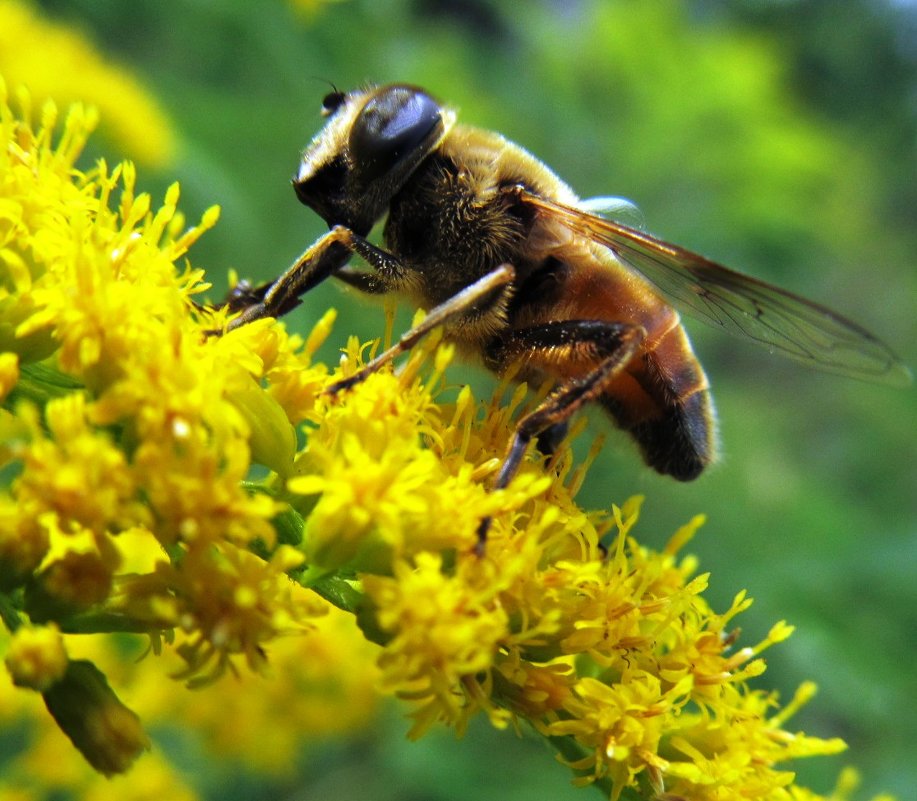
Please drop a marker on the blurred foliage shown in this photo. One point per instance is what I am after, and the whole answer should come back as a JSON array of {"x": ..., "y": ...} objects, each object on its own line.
[{"x": 778, "y": 137}]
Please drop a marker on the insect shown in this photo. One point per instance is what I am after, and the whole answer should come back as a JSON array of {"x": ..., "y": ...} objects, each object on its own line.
[{"x": 502, "y": 253}]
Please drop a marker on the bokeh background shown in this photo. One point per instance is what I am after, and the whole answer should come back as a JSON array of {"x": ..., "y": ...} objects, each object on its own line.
[{"x": 777, "y": 137}]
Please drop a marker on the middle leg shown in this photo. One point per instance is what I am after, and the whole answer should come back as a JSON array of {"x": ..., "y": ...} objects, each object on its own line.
[{"x": 456, "y": 307}]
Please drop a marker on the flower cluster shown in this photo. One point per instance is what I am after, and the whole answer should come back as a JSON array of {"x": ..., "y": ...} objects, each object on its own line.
[
  {"x": 124, "y": 417},
  {"x": 131, "y": 435},
  {"x": 58, "y": 61}
]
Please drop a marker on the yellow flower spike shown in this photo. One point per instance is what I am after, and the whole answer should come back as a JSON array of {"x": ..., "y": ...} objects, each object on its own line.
[
  {"x": 848, "y": 782},
  {"x": 286, "y": 558},
  {"x": 778, "y": 633},
  {"x": 441, "y": 360},
  {"x": 179, "y": 247},
  {"x": 684, "y": 534},
  {"x": 463, "y": 411},
  {"x": 578, "y": 475}
]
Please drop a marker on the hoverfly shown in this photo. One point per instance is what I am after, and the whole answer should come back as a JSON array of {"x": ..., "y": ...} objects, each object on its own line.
[{"x": 502, "y": 253}]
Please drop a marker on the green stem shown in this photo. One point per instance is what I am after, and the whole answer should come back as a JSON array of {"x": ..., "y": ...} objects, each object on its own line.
[{"x": 107, "y": 623}]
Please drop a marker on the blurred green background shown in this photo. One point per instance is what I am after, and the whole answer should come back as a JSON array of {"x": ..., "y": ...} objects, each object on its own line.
[{"x": 777, "y": 137}]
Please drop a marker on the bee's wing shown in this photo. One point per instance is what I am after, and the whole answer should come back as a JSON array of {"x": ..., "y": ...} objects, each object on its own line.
[{"x": 744, "y": 306}]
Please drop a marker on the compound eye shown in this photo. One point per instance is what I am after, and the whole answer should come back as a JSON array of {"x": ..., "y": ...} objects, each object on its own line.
[{"x": 393, "y": 124}]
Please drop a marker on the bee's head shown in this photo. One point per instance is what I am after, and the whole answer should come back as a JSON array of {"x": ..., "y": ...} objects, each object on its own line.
[{"x": 373, "y": 140}]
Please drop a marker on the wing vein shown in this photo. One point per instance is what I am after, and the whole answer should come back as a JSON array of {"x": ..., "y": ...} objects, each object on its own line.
[{"x": 739, "y": 304}]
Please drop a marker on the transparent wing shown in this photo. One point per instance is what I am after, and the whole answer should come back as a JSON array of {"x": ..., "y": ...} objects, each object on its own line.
[
  {"x": 739, "y": 304},
  {"x": 617, "y": 209}
]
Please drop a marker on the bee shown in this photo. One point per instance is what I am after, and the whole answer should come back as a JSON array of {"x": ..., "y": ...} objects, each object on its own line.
[{"x": 522, "y": 273}]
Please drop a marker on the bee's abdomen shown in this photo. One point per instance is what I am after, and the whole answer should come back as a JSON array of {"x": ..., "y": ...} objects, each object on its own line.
[
  {"x": 679, "y": 441},
  {"x": 664, "y": 403}
]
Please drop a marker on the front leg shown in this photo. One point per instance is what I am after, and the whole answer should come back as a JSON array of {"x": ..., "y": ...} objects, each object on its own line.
[
  {"x": 388, "y": 273},
  {"x": 328, "y": 256}
]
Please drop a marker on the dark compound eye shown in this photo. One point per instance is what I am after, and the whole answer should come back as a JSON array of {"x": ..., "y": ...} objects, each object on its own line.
[
  {"x": 332, "y": 102},
  {"x": 392, "y": 125}
]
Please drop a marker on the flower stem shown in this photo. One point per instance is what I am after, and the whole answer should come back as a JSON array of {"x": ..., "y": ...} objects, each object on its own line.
[{"x": 9, "y": 614}]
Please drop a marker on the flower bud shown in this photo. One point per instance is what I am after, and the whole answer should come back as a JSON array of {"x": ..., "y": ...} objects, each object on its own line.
[
  {"x": 273, "y": 438},
  {"x": 36, "y": 657},
  {"x": 103, "y": 729},
  {"x": 72, "y": 583}
]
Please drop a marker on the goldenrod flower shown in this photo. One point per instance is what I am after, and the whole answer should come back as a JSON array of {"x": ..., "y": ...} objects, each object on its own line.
[
  {"x": 131, "y": 435},
  {"x": 56, "y": 61},
  {"x": 36, "y": 657},
  {"x": 442, "y": 644},
  {"x": 100, "y": 290}
]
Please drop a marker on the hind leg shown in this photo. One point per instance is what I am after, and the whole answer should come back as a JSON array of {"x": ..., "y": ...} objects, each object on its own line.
[{"x": 612, "y": 344}]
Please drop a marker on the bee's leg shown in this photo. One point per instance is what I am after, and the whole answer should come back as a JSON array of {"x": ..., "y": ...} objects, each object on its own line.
[
  {"x": 548, "y": 440},
  {"x": 245, "y": 294},
  {"x": 326, "y": 257},
  {"x": 389, "y": 272},
  {"x": 458, "y": 306},
  {"x": 613, "y": 345}
]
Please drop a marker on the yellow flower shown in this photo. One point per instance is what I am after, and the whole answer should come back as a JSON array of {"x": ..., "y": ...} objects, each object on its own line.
[
  {"x": 56, "y": 61},
  {"x": 23, "y": 541},
  {"x": 620, "y": 723},
  {"x": 436, "y": 646},
  {"x": 127, "y": 417},
  {"x": 231, "y": 602},
  {"x": 36, "y": 657},
  {"x": 381, "y": 491},
  {"x": 532, "y": 691},
  {"x": 76, "y": 473},
  {"x": 318, "y": 684}
]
